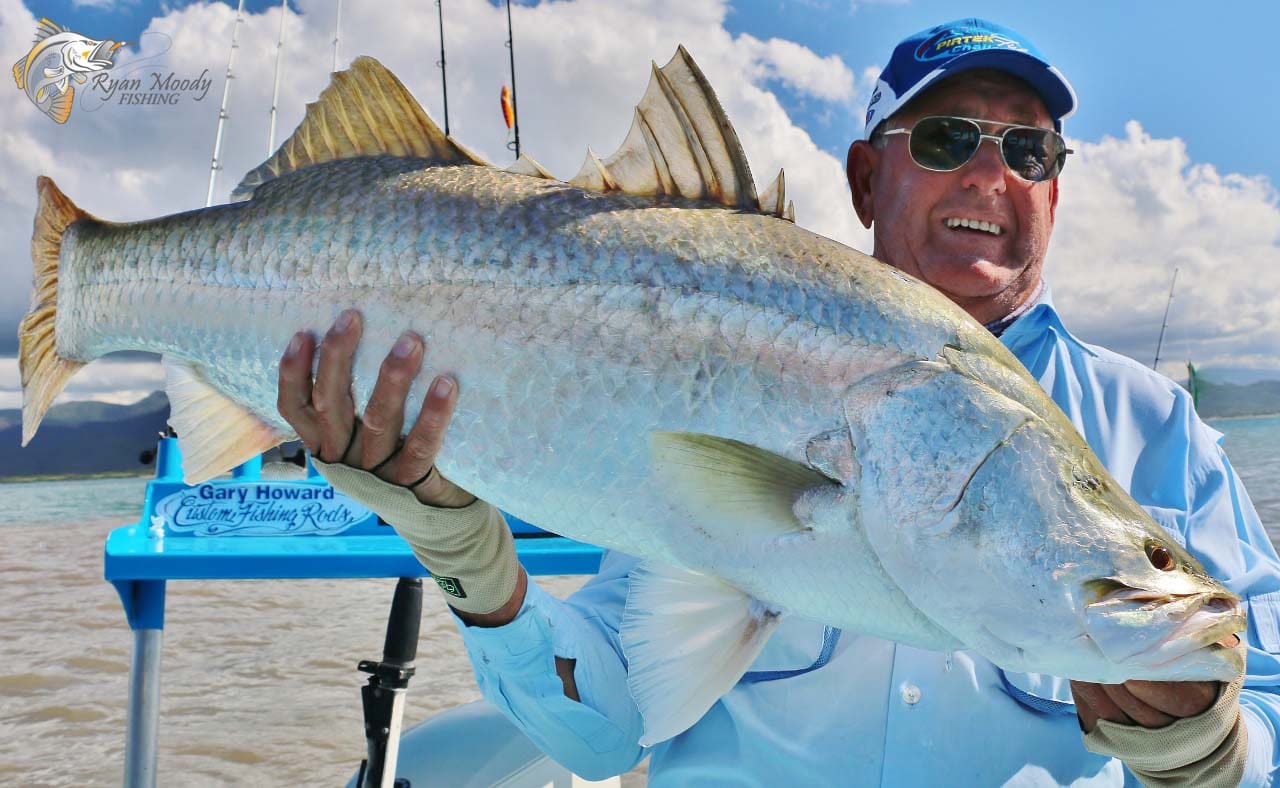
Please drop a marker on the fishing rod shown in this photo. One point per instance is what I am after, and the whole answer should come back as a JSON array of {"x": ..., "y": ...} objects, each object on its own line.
[
  {"x": 275, "y": 92},
  {"x": 337, "y": 21},
  {"x": 444, "y": 77},
  {"x": 1165, "y": 324},
  {"x": 222, "y": 110},
  {"x": 384, "y": 696},
  {"x": 515, "y": 107}
]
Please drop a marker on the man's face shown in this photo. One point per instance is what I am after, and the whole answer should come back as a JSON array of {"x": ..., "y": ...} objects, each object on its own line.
[{"x": 987, "y": 275}]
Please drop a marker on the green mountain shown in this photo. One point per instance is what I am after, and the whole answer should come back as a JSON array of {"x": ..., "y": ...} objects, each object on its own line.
[{"x": 1219, "y": 400}]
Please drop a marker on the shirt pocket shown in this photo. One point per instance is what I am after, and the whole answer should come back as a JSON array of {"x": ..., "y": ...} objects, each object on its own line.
[{"x": 1264, "y": 616}]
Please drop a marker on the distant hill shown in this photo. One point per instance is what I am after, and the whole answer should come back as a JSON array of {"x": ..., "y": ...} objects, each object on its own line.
[
  {"x": 88, "y": 437},
  {"x": 1219, "y": 400},
  {"x": 84, "y": 437}
]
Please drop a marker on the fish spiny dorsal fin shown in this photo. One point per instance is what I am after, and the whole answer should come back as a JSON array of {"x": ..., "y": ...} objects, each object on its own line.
[
  {"x": 525, "y": 165},
  {"x": 790, "y": 215},
  {"x": 680, "y": 143},
  {"x": 47, "y": 28},
  {"x": 773, "y": 199},
  {"x": 365, "y": 111}
]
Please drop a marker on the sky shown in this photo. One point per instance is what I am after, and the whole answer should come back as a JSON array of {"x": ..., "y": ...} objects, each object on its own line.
[{"x": 1175, "y": 164}]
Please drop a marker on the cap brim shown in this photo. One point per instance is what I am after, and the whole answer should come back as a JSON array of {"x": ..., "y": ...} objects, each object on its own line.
[{"x": 1057, "y": 93}]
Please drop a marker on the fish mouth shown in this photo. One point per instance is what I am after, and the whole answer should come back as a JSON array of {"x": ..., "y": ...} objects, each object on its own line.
[
  {"x": 1153, "y": 629},
  {"x": 100, "y": 57}
]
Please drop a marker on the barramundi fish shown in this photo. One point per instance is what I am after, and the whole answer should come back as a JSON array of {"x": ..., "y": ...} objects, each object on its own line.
[
  {"x": 654, "y": 358},
  {"x": 57, "y": 56}
]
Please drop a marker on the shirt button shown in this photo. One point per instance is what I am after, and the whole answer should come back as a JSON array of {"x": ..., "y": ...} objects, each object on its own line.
[{"x": 910, "y": 694}]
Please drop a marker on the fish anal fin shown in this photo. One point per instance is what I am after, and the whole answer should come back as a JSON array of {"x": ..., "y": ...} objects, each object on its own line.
[
  {"x": 43, "y": 372},
  {"x": 680, "y": 144},
  {"x": 60, "y": 106},
  {"x": 365, "y": 111},
  {"x": 215, "y": 434},
  {"x": 733, "y": 488},
  {"x": 688, "y": 639}
]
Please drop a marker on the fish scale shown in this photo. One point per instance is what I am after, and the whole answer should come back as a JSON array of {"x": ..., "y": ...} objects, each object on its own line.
[{"x": 656, "y": 360}]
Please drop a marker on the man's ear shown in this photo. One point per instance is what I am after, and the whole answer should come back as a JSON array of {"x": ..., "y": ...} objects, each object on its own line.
[{"x": 860, "y": 166}]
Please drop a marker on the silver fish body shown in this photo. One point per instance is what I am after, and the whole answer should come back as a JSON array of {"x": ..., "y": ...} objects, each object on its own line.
[{"x": 711, "y": 389}]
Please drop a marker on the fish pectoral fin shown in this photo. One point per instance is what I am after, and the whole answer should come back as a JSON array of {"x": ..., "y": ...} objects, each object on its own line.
[
  {"x": 215, "y": 434},
  {"x": 688, "y": 639},
  {"x": 365, "y": 111},
  {"x": 732, "y": 487}
]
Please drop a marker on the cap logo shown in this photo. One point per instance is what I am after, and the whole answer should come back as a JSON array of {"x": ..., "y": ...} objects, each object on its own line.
[{"x": 958, "y": 41}]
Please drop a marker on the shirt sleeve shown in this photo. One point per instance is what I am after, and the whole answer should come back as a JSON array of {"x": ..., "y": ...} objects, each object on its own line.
[
  {"x": 1223, "y": 529},
  {"x": 514, "y": 665}
]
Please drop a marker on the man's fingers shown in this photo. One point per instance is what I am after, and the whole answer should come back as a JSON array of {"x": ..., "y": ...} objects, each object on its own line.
[
  {"x": 1138, "y": 711},
  {"x": 1093, "y": 704},
  {"x": 421, "y": 445},
  {"x": 293, "y": 395},
  {"x": 1175, "y": 698},
  {"x": 331, "y": 395},
  {"x": 383, "y": 418}
]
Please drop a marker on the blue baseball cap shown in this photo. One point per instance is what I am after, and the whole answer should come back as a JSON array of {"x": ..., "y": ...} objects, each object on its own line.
[{"x": 924, "y": 58}]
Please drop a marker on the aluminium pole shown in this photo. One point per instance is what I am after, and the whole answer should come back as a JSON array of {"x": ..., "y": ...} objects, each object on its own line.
[{"x": 337, "y": 20}]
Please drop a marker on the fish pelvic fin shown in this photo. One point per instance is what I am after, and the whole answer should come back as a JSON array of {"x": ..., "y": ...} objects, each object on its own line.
[
  {"x": 215, "y": 433},
  {"x": 688, "y": 639},
  {"x": 365, "y": 111},
  {"x": 44, "y": 373}
]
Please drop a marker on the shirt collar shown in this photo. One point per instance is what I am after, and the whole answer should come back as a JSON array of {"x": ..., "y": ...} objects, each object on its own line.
[{"x": 1039, "y": 318}]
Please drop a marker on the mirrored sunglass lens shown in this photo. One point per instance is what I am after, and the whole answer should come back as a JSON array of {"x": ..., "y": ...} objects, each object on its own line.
[
  {"x": 943, "y": 144},
  {"x": 1034, "y": 154}
]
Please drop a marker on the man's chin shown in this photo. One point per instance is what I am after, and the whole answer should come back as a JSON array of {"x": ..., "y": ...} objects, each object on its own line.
[{"x": 969, "y": 280}]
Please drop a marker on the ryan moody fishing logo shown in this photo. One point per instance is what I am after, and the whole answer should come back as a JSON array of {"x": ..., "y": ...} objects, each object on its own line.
[{"x": 59, "y": 57}]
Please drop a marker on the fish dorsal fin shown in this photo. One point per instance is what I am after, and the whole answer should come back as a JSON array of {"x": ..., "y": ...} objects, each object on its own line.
[
  {"x": 525, "y": 165},
  {"x": 365, "y": 111},
  {"x": 48, "y": 28},
  {"x": 773, "y": 200},
  {"x": 680, "y": 144}
]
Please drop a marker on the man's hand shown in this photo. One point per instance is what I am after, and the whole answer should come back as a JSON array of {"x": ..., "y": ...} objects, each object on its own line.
[
  {"x": 1150, "y": 704},
  {"x": 323, "y": 413}
]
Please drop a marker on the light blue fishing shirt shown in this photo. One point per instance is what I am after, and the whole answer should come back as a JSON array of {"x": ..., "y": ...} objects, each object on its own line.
[{"x": 875, "y": 713}]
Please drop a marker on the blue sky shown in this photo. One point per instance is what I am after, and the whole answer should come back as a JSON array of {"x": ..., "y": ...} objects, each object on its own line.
[
  {"x": 1208, "y": 78},
  {"x": 1174, "y": 167}
]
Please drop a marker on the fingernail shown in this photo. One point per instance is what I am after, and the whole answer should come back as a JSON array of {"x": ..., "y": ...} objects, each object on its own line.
[
  {"x": 295, "y": 345},
  {"x": 404, "y": 346},
  {"x": 442, "y": 388},
  {"x": 344, "y": 321}
]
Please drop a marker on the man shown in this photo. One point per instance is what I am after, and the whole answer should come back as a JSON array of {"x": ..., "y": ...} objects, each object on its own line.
[{"x": 973, "y": 220}]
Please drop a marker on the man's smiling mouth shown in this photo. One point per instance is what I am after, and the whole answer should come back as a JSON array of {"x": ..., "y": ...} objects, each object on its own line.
[{"x": 973, "y": 224}]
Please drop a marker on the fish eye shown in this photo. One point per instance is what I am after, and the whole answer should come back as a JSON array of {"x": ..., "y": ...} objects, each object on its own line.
[{"x": 1160, "y": 557}]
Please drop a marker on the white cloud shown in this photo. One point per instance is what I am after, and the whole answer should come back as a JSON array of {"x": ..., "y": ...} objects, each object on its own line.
[
  {"x": 1134, "y": 208},
  {"x": 1131, "y": 208},
  {"x": 105, "y": 380}
]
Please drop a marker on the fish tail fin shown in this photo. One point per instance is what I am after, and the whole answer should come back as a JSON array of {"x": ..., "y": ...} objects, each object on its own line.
[
  {"x": 19, "y": 69},
  {"x": 44, "y": 373}
]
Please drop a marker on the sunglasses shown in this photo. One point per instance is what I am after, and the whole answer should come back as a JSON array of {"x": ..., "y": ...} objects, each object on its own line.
[{"x": 945, "y": 144}]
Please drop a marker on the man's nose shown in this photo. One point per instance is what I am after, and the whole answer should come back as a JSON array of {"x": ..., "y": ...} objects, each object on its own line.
[{"x": 986, "y": 171}]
